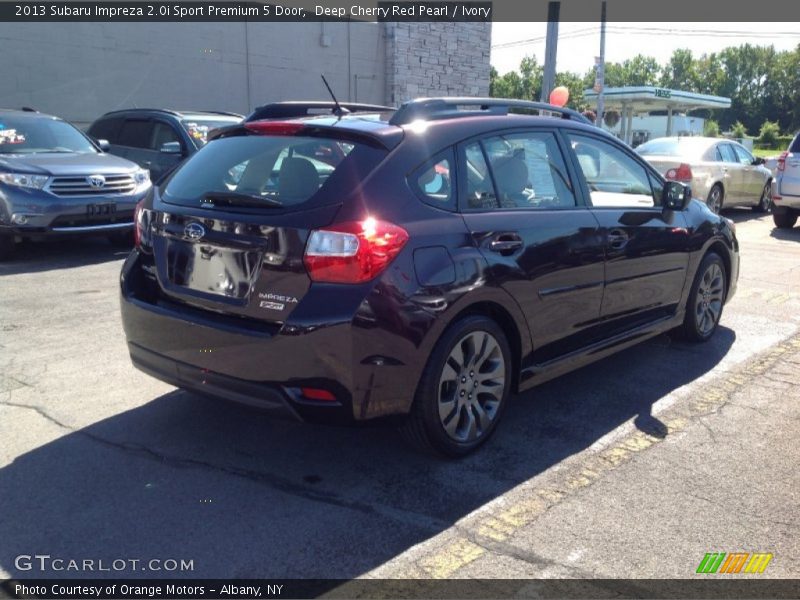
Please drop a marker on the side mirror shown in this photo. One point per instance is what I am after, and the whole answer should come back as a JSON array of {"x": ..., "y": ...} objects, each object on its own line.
[
  {"x": 170, "y": 148},
  {"x": 676, "y": 196},
  {"x": 758, "y": 160},
  {"x": 103, "y": 145}
]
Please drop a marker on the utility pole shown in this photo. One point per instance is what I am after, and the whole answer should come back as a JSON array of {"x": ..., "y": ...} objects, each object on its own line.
[
  {"x": 600, "y": 81},
  {"x": 550, "y": 51}
]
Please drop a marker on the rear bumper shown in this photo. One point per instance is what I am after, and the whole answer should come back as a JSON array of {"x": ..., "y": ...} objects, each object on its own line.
[
  {"x": 265, "y": 364},
  {"x": 782, "y": 201}
]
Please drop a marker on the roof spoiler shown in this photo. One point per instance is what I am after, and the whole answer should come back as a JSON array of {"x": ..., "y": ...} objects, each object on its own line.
[{"x": 296, "y": 109}]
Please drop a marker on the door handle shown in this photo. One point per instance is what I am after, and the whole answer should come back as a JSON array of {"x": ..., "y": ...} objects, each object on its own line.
[
  {"x": 617, "y": 239},
  {"x": 506, "y": 243}
]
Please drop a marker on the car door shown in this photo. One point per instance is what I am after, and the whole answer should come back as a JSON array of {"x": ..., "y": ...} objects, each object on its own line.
[
  {"x": 752, "y": 176},
  {"x": 542, "y": 245},
  {"x": 135, "y": 136},
  {"x": 647, "y": 248},
  {"x": 735, "y": 189}
]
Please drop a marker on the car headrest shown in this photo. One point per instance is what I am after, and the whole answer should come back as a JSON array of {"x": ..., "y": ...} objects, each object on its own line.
[
  {"x": 298, "y": 179},
  {"x": 511, "y": 174}
]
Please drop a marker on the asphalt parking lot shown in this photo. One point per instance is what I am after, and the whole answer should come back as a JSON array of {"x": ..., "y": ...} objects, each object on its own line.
[{"x": 633, "y": 467}]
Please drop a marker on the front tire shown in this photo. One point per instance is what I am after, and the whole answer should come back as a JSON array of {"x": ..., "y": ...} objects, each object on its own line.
[
  {"x": 706, "y": 300},
  {"x": 463, "y": 391},
  {"x": 784, "y": 219},
  {"x": 765, "y": 202}
]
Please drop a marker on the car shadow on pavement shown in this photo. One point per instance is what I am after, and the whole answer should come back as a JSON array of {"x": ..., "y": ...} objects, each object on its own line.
[
  {"x": 744, "y": 214},
  {"x": 240, "y": 495},
  {"x": 48, "y": 255},
  {"x": 792, "y": 235}
]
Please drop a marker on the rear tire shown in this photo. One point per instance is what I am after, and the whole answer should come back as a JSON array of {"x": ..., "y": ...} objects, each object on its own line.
[
  {"x": 765, "y": 202},
  {"x": 706, "y": 300},
  {"x": 715, "y": 198},
  {"x": 463, "y": 391},
  {"x": 784, "y": 219},
  {"x": 6, "y": 246}
]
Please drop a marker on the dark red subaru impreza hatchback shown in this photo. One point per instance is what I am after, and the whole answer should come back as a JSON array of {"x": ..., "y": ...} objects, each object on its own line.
[{"x": 424, "y": 263}]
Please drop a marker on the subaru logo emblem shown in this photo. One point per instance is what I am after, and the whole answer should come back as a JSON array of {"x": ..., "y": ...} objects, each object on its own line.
[
  {"x": 96, "y": 181},
  {"x": 194, "y": 231}
]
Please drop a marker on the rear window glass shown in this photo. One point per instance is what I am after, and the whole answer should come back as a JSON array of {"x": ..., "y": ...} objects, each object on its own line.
[{"x": 276, "y": 171}]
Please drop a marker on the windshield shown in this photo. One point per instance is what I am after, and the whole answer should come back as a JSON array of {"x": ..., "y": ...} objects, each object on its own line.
[
  {"x": 31, "y": 135},
  {"x": 280, "y": 171},
  {"x": 673, "y": 147},
  {"x": 199, "y": 128}
]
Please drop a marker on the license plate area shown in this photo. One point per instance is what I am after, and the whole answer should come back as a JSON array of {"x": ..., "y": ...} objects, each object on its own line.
[
  {"x": 210, "y": 269},
  {"x": 107, "y": 209}
]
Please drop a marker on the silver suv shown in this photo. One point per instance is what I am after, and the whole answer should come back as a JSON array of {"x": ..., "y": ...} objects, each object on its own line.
[
  {"x": 54, "y": 180},
  {"x": 786, "y": 187}
]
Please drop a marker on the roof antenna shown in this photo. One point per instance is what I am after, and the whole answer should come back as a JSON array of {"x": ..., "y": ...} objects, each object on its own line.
[{"x": 339, "y": 111}]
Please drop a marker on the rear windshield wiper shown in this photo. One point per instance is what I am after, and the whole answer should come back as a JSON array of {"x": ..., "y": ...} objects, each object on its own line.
[{"x": 238, "y": 199}]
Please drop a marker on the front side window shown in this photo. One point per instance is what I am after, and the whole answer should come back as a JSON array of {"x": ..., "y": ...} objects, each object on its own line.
[
  {"x": 136, "y": 133},
  {"x": 728, "y": 155},
  {"x": 614, "y": 178},
  {"x": 527, "y": 169},
  {"x": 745, "y": 158}
]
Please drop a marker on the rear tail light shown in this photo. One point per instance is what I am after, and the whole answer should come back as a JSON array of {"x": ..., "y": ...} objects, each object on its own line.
[
  {"x": 782, "y": 161},
  {"x": 141, "y": 227},
  {"x": 353, "y": 252},
  {"x": 682, "y": 173}
]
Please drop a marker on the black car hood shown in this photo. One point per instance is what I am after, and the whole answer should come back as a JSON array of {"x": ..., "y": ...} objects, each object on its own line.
[{"x": 54, "y": 163}]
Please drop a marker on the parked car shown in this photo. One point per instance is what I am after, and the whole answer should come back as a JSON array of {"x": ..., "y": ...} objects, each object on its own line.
[
  {"x": 158, "y": 139},
  {"x": 454, "y": 254},
  {"x": 722, "y": 171},
  {"x": 786, "y": 187},
  {"x": 54, "y": 180}
]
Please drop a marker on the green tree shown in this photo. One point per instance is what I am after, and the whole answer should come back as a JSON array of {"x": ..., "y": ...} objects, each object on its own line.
[
  {"x": 769, "y": 133},
  {"x": 680, "y": 73},
  {"x": 739, "y": 130},
  {"x": 711, "y": 128}
]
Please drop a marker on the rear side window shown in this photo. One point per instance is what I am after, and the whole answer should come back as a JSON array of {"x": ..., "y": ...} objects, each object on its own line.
[
  {"x": 528, "y": 171},
  {"x": 434, "y": 182},
  {"x": 106, "y": 129},
  {"x": 136, "y": 133},
  {"x": 271, "y": 171}
]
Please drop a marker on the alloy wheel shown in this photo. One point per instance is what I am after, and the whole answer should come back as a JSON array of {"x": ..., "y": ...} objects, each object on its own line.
[
  {"x": 715, "y": 199},
  {"x": 471, "y": 386},
  {"x": 765, "y": 202},
  {"x": 708, "y": 304}
]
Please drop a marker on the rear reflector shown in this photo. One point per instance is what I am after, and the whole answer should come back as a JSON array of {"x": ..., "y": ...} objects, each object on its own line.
[
  {"x": 275, "y": 127},
  {"x": 317, "y": 394},
  {"x": 353, "y": 252},
  {"x": 682, "y": 173}
]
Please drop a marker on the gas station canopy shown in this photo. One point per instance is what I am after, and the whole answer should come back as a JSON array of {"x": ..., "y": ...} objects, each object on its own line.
[{"x": 644, "y": 99}]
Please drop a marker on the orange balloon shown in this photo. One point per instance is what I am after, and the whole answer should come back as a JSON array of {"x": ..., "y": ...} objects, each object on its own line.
[{"x": 559, "y": 96}]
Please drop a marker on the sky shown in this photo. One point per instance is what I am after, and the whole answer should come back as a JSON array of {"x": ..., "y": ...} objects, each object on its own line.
[{"x": 579, "y": 43}]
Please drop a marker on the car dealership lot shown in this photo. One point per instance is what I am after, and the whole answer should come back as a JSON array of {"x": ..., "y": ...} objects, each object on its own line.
[{"x": 634, "y": 466}]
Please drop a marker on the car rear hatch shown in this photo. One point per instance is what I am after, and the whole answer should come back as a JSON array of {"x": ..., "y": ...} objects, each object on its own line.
[
  {"x": 789, "y": 164},
  {"x": 228, "y": 230}
]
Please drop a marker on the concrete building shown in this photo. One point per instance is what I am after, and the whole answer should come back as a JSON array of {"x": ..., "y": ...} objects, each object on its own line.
[{"x": 82, "y": 70}]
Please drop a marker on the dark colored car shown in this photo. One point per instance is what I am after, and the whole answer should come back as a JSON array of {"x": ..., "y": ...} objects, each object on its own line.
[
  {"x": 293, "y": 110},
  {"x": 446, "y": 258},
  {"x": 158, "y": 139},
  {"x": 55, "y": 181}
]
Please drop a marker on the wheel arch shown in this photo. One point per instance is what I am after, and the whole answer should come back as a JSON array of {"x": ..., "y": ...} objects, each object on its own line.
[{"x": 718, "y": 247}]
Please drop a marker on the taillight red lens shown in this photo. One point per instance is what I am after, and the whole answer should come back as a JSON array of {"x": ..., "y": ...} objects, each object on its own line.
[
  {"x": 353, "y": 252},
  {"x": 275, "y": 127},
  {"x": 782, "y": 161},
  {"x": 317, "y": 394},
  {"x": 682, "y": 173}
]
